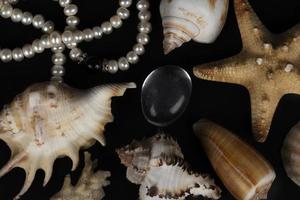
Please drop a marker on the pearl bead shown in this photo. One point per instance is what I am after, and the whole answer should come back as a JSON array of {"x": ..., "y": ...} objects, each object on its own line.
[
  {"x": 28, "y": 51},
  {"x": 55, "y": 38},
  {"x": 97, "y": 31},
  {"x": 27, "y": 18},
  {"x": 37, "y": 47},
  {"x": 78, "y": 36},
  {"x": 38, "y": 21},
  {"x": 144, "y": 15},
  {"x": 48, "y": 27},
  {"x": 75, "y": 54},
  {"x": 45, "y": 41},
  {"x": 6, "y": 11},
  {"x": 123, "y": 13},
  {"x": 16, "y": 15},
  {"x": 112, "y": 67},
  {"x": 142, "y": 5},
  {"x": 58, "y": 59},
  {"x": 58, "y": 49},
  {"x": 70, "y": 10},
  {"x": 67, "y": 37},
  {"x": 106, "y": 27},
  {"x": 143, "y": 38},
  {"x": 64, "y": 3},
  {"x": 139, "y": 49},
  {"x": 72, "y": 20},
  {"x": 6, "y": 55},
  {"x": 88, "y": 34},
  {"x": 132, "y": 57},
  {"x": 57, "y": 79},
  {"x": 13, "y": 1},
  {"x": 116, "y": 21},
  {"x": 125, "y": 3},
  {"x": 144, "y": 27},
  {"x": 17, "y": 54},
  {"x": 58, "y": 70},
  {"x": 123, "y": 64}
]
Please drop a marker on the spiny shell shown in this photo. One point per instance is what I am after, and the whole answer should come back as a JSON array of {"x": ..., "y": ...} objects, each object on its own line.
[
  {"x": 200, "y": 20},
  {"x": 158, "y": 165},
  {"x": 49, "y": 121},
  {"x": 89, "y": 186},
  {"x": 245, "y": 173},
  {"x": 291, "y": 154}
]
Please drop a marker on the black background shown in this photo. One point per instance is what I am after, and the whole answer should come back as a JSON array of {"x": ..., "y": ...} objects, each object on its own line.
[{"x": 226, "y": 104}]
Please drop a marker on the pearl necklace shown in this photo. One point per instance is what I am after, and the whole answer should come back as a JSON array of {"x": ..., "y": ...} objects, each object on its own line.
[{"x": 71, "y": 37}]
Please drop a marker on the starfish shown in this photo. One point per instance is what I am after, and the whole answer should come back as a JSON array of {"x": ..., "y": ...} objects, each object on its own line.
[{"x": 268, "y": 66}]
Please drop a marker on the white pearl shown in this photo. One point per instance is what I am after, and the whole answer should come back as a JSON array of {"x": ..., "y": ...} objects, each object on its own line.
[
  {"x": 142, "y": 38},
  {"x": 144, "y": 15},
  {"x": 67, "y": 37},
  {"x": 45, "y": 41},
  {"x": 75, "y": 54},
  {"x": 142, "y": 5},
  {"x": 58, "y": 70},
  {"x": 139, "y": 49},
  {"x": 37, "y": 47},
  {"x": 112, "y": 66},
  {"x": 106, "y": 27},
  {"x": 17, "y": 15},
  {"x": 144, "y": 27},
  {"x": 64, "y": 3},
  {"x": 17, "y": 54},
  {"x": 97, "y": 31},
  {"x": 28, "y": 51},
  {"x": 13, "y": 1},
  {"x": 71, "y": 45},
  {"x": 116, "y": 21},
  {"x": 72, "y": 20},
  {"x": 6, "y": 55},
  {"x": 58, "y": 59},
  {"x": 58, "y": 49},
  {"x": 70, "y": 10},
  {"x": 27, "y": 18},
  {"x": 123, "y": 64},
  {"x": 38, "y": 21},
  {"x": 125, "y": 3},
  {"x": 6, "y": 11},
  {"x": 55, "y": 38},
  {"x": 88, "y": 34},
  {"x": 132, "y": 57},
  {"x": 57, "y": 79},
  {"x": 123, "y": 13},
  {"x": 78, "y": 36},
  {"x": 48, "y": 27}
]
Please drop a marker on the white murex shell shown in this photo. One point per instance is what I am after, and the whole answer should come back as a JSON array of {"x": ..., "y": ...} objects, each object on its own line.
[
  {"x": 158, "y": 165},
  {"x": 48, "y": 121},
  {"x": 291, "y": 154},
  {"x": 184, "y": 20}
]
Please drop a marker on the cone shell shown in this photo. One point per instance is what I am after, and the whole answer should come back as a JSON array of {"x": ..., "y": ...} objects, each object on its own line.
[
  {"x": 49, "y": 121},
  {"x": 89, "y": 186},
  {"x": 158, "y": 165},
  {"x": 291, "y": 154},
  {"x": 198, "y": 20},
  {"x": 244, "y": 172}
]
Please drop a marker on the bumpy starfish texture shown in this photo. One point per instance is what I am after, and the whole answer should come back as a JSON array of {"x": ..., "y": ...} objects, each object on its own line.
[{"x": 268, "y": 66}]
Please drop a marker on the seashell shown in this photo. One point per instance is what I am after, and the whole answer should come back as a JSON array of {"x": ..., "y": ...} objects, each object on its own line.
[
  {"x": 291, "y": 154},
  {"x": 89, "y": 186},
  {"x": 158, "y": 165},
  {"x": 244, "y": 172},
  {"x": 200, "y": 20},
  {"x": 49, "y": 121}
]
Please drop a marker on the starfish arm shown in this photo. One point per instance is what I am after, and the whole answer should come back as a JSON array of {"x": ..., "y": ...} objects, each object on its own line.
[
  {"x": 291, "y": 82},
  {"x": 230, "y": 70},
  {"x": 253, "y": 33},
  {"x": 263, "y": 107}
]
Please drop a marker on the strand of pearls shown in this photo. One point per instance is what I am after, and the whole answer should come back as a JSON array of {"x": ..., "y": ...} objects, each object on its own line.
[{"x": 71, "y": 37}]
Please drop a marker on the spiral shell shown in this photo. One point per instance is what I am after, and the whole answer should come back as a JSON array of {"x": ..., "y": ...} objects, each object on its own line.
[
  {"x": 49, "y": 121},
  {"x": 157, "y": 164},
  {"x": 291, "y": 154},
  {"x": 200, "y": 20}
]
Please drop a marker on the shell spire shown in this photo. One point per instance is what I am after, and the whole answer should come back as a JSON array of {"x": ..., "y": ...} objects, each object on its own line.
[
  {"x": 244, "y": 172},
  {"x": 48, "y": 121}
]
